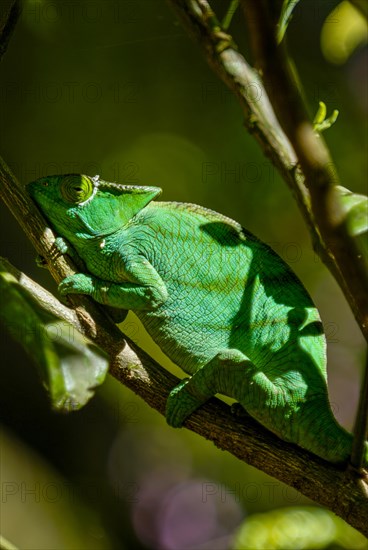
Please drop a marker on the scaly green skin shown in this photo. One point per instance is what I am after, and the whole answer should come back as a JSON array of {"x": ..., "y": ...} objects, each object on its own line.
[{"x": 219, "y": 302}]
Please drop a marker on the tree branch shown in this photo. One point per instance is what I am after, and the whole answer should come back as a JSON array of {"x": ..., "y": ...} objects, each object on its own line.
[
  {"x": 320, "y": 173},
  {"x": 7, "y": 26},
  {"x": 221, "y": 54},
  {"x": 312, "y": 152},
  {"x": 342, "y": 491}
]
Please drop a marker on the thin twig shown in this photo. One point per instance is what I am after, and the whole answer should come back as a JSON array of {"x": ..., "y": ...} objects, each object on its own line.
[
  {"x": 334, "y": 487},
  {"x": 7, "y": 26},
  {"x": 226, "y": 20}
]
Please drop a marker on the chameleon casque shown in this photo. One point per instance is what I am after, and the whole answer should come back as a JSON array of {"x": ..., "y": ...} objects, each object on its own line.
[{"x": 219, "y": 302}]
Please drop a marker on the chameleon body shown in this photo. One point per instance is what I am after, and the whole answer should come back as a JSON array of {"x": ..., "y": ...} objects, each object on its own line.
[{"x": 219, "y": 302}]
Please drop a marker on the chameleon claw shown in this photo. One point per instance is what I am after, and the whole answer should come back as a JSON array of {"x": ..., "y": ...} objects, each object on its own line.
[
  {"x": 65, "y": 287},
  {"x": 61, "y": 245}
]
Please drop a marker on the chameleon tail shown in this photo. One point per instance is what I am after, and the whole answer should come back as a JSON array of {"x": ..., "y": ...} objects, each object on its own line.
[
  {"x": 320, "y": 433},
  {"x": 310, "y": 424}
]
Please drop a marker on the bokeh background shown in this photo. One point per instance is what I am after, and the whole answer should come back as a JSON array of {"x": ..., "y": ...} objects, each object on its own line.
[{"x": 117, "y": 88}]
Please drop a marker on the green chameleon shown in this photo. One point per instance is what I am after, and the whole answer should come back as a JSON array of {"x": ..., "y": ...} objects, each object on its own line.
[{"x": 219, "y": 302}]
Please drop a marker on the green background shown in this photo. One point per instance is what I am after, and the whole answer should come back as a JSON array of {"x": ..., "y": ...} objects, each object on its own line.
[{"x": 117, "y": 88}]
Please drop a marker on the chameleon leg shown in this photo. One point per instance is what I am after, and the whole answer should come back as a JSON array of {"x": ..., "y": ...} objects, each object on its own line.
[
  {"x": 124, "y": 295},
  {"x": 219, "y": 375}
]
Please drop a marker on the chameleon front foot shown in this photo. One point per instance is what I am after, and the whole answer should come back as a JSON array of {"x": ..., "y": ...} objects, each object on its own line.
[
  {"x": 62, "y": 246},
  {"x": 59, "y": 247},
  {"x": 180, "y": 404},
  {"x": 77, "y": 284}
]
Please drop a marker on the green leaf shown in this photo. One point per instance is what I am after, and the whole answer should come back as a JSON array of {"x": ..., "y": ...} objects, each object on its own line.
[
  {"x": 69, "y": 365},
  {"x": 355, "y": 208},
  {"x": 225, "y": 24},
  {"x": 320, "y": 122},
  {"x": 83, "y": 365},
  {"x": 321, "y": 113},
  {"x": 297, "y": 527},
  {"x": 344, "y": 30},
  {"x": 285, "y": 18}
]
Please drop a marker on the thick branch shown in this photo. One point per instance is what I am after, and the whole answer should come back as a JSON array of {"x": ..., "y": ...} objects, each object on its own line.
[
  {"x": 223, "y": 57},
  {"x": 340, "y": 490}
]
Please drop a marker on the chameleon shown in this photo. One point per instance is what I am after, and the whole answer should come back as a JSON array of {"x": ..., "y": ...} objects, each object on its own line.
[{"x": 219, "y": 302}]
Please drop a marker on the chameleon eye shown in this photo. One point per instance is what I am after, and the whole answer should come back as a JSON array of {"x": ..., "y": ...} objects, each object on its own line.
[{"x": 76, "y": 188}]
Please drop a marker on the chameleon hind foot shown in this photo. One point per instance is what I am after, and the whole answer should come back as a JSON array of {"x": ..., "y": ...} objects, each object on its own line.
[
  {"x": 180, "y": 404},
  {"x": 228, "y": 367},
  {"x": 79, "y": 283}
]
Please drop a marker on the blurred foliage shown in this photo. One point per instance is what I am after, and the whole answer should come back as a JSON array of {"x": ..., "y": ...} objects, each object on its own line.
[
  {"x": 117, "y": 89},
  {"x": 355, "y": 208},
  {"x": 344, "y": 30},
  {"x": 285, "y": 17},
  {"x": 70, "y": 366},
  {"x": 299, "y": 527},
  {"x": 51, "y": 512}
]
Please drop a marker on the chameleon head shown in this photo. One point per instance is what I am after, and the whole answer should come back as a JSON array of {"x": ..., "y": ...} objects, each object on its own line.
[{"x": 76, "y": 204}]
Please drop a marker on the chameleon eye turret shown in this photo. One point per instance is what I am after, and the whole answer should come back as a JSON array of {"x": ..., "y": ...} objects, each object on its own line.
[{"x": 76, "y": 188}]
